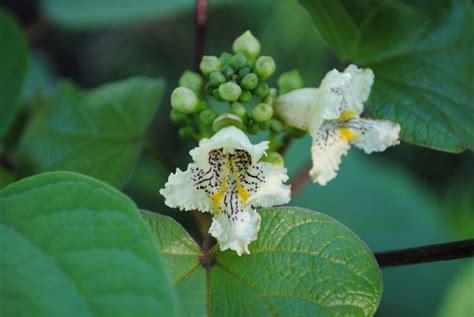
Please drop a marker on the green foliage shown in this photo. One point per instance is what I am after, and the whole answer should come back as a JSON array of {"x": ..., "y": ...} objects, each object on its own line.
[
  {"x": 13, "y": 66},
  {"x": 95, "y": 132},
  {"x": 74, "y": 246},
  {"x": 302, "y": 262},
  {"x": 389, "y": 209},
  {"x": 421, "y": 54},
  {"x": 459, "y": 298}
]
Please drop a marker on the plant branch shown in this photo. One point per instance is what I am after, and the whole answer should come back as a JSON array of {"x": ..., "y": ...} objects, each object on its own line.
[
  {"x": 300, "y": 179},
  {"x": 429, "y": 253},
  {"x": 200, "y": 32}
]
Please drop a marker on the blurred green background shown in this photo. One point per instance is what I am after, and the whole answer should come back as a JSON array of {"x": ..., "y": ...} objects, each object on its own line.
[{"x": 404, "y": 197}]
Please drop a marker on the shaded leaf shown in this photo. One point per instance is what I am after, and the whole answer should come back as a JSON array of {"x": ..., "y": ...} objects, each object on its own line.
[
  {"x": 74, "y": 246},
  {"x": 302, "y": 261},
  {"x": 13, "y": 65},
  {"x": 95, "y": 132},
  {"x": 421, "y": 54}
]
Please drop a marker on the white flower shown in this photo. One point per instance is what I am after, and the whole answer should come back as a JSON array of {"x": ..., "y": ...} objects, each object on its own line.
[
  {"x": 227, "y": 179},
  {"x": 331, "y": 114}
]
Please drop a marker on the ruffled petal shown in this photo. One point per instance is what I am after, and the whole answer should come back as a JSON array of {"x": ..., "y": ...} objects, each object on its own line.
[
  {"x": 373, "y": 135},
  {"x": 272, "y": 191},
  {"x": 236, "y": 231},
  {"x": 228, "y": 139},
  {"x": 346, "y": 92},
  {"x": 300, "y": 109},
  {"x": 329, "y": 145},
  {"x": 183, "y": 191}
]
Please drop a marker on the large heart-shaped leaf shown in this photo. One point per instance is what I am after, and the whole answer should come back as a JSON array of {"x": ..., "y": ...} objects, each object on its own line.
[
  {"x": 97, "y": 132},
  {"x": 422, "y": 55},
  {"x": 302, "y": 261},
  {"x": 13, "y": 64},
  {"x": 74, "y": 246}
]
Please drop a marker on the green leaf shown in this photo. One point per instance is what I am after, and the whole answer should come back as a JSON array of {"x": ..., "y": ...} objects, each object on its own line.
[
  {"x": 95, "y": 132},
  {"x": 302, "y": 261},
  {"x": 74, "y": 246},
  {"x": 458, "y": 301},
  {"x": 389, "y": 209},
  {"x": 13, "y": 64},
  {"x": 421, "y": 54}
]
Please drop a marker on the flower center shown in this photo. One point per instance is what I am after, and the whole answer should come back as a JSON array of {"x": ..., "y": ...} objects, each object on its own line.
[{"x": 229, "y": 181}]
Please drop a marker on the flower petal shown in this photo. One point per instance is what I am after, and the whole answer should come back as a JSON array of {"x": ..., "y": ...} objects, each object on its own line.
[
  {"x": 229, "y": 139},
  {"x": 301, "y": 109},
  {"x": 346, "y": 91},
  {"x": 327, "y": 149},
  {"x": 236, "y": 231},
  {"x": 271, "y": 191},
  {"x": 373, "y": 135},
  {"x": 182, "y": 192}
]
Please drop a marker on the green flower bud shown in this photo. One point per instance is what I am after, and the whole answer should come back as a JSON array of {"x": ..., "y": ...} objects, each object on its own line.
[
  {"x": 264, "y": 125},
  {"x": 271, "y": 96},
  {"x": 225, "y": 120},
  {"x": 253, "y": 127},
  {"x": 209, "y": 64},
  {"x": 244, "y": 71},
  {"x": 238, "y": 109},
  {"x": 217, "y": 95},
  {"x": 225, "y": 57},
  {"x": 274, "y": 158},
  {"x": 247, "y": 44},
  {"x": 296, "y": 132},
  {"x": 228, "y": 71},
  {"x": 250, "y": 81},
  {"x": 238, "y": 61},
  {"x": 230, "y": 91},
  {"x": 184, "y": 99},
  {"x": 245, "y": 96},
  {"x": 207, "y": 116},
  {"x": 216, "y": 79},
  {"x": 289, "y": 81},
  {"x": 192, "y": 81},
  {"x": 209, "y": 88},
  {"x": 178, "y": 117},
  {"x": 186, "y": 132},
  {"x": 262, "y": 90},
  {"x": 276, "y": 125},
  {"x": 262, "y": 112},
  {"x": 265, "y": 67}
]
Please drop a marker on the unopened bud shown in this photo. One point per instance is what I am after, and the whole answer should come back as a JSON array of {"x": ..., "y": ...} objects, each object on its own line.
[
  {"x": 262, "y": 112},
  {"x": 265, "y": 67},
  {"x": 247, "y": 44},
  {"x": 230, "y": 91},
  {"x": 209, "y": 64},
  {"x": 290, "y": 81},
  {"x": 225, "y": 120},
  {"x": 184, "y": 99}
]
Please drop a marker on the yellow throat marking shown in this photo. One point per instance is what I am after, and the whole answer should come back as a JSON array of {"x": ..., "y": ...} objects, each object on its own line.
[
  {"x": 347, "y": 134},
  {"x": 347, "y": 115},
  {"x": 217, "y": 197},
  {"x": 241, "y": 191}
]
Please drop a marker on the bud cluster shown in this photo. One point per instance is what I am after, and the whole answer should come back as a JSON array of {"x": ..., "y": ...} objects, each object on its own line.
[{"x": 238, "y": 82}]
